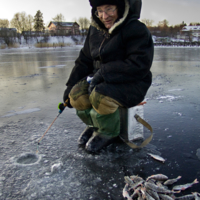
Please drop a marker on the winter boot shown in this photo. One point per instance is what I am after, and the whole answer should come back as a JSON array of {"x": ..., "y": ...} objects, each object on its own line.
[
  {"x": 87, "y": 133},
  {"x": 98, "y": 141},
  {"x": 108, "y": 130}
]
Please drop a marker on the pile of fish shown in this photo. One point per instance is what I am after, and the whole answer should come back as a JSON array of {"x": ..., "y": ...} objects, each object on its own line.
[{"x": 156, "y": 187}]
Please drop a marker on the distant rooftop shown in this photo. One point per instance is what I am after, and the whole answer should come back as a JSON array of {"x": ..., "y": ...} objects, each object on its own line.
[
  {"x": 8, "y": 29},
  {"x": 62, "y": 23},
  {"x": 190, "y": 28}
]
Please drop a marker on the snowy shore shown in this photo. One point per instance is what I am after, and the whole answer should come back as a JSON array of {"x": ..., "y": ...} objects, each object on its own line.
[
  {"x": 63, "y": 41},
  {"x": 42, "y": 41}
]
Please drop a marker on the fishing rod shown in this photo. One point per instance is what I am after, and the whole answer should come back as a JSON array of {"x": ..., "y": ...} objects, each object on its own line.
[{"x": 61, "y": 107}]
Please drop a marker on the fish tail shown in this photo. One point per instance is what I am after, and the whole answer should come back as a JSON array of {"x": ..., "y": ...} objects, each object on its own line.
[
  {"x": 196, "y": 181},
  {"x": 174, "y": 191}
]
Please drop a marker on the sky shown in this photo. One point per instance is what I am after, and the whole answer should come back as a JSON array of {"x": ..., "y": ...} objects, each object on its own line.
[{"x": 174, "y": 11}]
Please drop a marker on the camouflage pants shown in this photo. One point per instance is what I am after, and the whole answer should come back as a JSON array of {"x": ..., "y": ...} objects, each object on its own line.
[
  {"x": 81, "y": 100},
  {"x": 96, "y": 110}
]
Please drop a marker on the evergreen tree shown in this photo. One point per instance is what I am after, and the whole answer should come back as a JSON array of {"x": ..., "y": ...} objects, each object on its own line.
[{"x": 38, "y": 21}]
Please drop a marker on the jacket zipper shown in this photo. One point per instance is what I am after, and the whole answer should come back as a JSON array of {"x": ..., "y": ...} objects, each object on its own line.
[
  {"x": 106, "y": 36},
  {"x": 100, "y": 48}
]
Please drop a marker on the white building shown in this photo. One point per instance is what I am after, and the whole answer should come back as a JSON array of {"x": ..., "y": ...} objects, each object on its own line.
[{"x": 194, "y": 30}]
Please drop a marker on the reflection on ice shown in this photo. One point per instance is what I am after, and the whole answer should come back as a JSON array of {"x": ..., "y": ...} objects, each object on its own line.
[
  {"x": 31, "y": 76},
  {"x": 22, "y": 112},
  {"x": 175, "y": 90},
  {"x": 57, "y": 66},
  {"x": 168, "y": 97},
  {"x": 67, "y": 56}
]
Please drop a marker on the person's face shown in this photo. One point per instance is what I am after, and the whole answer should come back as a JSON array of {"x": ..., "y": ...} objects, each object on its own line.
[{"x": 107, "y": 14}]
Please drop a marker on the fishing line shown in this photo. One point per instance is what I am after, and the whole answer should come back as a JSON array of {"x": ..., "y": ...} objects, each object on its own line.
[{"x": 60, "y": 111}]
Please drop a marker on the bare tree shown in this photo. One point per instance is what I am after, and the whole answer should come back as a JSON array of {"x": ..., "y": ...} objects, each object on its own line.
[
  {"x": 81, "y": 23},
  {"x": 29, "y": 27},
  {"x": 163, "y": 26},
  {"x": 15, "y": 22},
  {"x": 163, "y": 23},
  {"x": 22, "y": 22},
  {"x": 84, "y": 24},
  {"x": 59, "y": 18},
  {"x": 4, "y": 23},
  {"x": 30, "y": 22},
  {"x": 147, "y": 22}
]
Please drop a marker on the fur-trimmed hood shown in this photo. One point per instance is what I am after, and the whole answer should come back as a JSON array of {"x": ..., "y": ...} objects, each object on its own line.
[
  {"x": 124, "y": 57},
  {"x": 132, "y": 10}
]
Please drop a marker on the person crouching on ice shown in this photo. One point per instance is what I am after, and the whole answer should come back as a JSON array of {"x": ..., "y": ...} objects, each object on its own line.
[{"x": 117, "y": 56}]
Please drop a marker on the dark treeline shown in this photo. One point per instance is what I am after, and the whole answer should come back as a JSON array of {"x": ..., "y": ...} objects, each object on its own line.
[
  {"x": 163, "y": 29},
  {"x": 174, "y": 35}
]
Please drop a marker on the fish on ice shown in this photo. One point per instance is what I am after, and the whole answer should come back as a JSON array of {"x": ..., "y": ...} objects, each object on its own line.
[
  {"x": 171, "y": 181},
  {"x": 185, "y": 186},
  {"x": 196, "y": 195},
  {"x": 136, "y": 179},
  {"x": 158, "y": 177},
  {"x": 186, "y": 197},
  {"x": 156, "y": 157},
  {"x": 145, "y": 195},
  {"x": 153, "y": 194},
  {"x": 125, "y": 193},
  {"x": 165, "y": 197},
  {"x": 132, "y": 184},
  {"x": 156, "y": 188}
]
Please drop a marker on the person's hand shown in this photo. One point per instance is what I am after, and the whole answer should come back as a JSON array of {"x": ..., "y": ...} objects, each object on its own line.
[
  {"x": 61, "y": 107},
  {"x": 66, "y": 96},
  {"x": 97, "y": 78}
]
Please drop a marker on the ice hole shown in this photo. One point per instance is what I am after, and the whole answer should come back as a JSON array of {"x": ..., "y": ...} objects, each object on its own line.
[{"x": 28, "y": 158}]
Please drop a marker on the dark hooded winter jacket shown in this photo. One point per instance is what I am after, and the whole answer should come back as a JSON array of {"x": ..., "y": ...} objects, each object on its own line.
[{"x": 125, "y": 52}]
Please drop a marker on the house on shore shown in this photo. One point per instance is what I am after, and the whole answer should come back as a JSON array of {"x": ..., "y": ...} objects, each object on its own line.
[
  {"x": 63, "y": 28},
  {"x": 189, "y": 32},
  {"x": 9, "y": 32}
]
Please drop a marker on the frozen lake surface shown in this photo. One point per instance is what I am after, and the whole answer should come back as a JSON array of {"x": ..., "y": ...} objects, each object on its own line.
[{"x": 32, "y": 82}]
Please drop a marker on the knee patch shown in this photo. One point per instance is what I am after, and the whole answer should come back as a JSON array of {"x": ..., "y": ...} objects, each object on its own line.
[
  {"x": 103, "y": 105},
  {"x": 79, "y": 97}
]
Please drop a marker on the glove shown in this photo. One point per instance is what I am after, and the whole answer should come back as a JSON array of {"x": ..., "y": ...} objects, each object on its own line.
[
  {"x": 61, "y": 107},
  {"x": 66, "y": 97},
  {"x": 97, "y": 79}
]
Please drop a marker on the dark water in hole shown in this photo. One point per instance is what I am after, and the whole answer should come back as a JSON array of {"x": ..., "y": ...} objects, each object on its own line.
[
  {"x": 32, "y": 82},
  {"x": 27, "y": 159}
]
